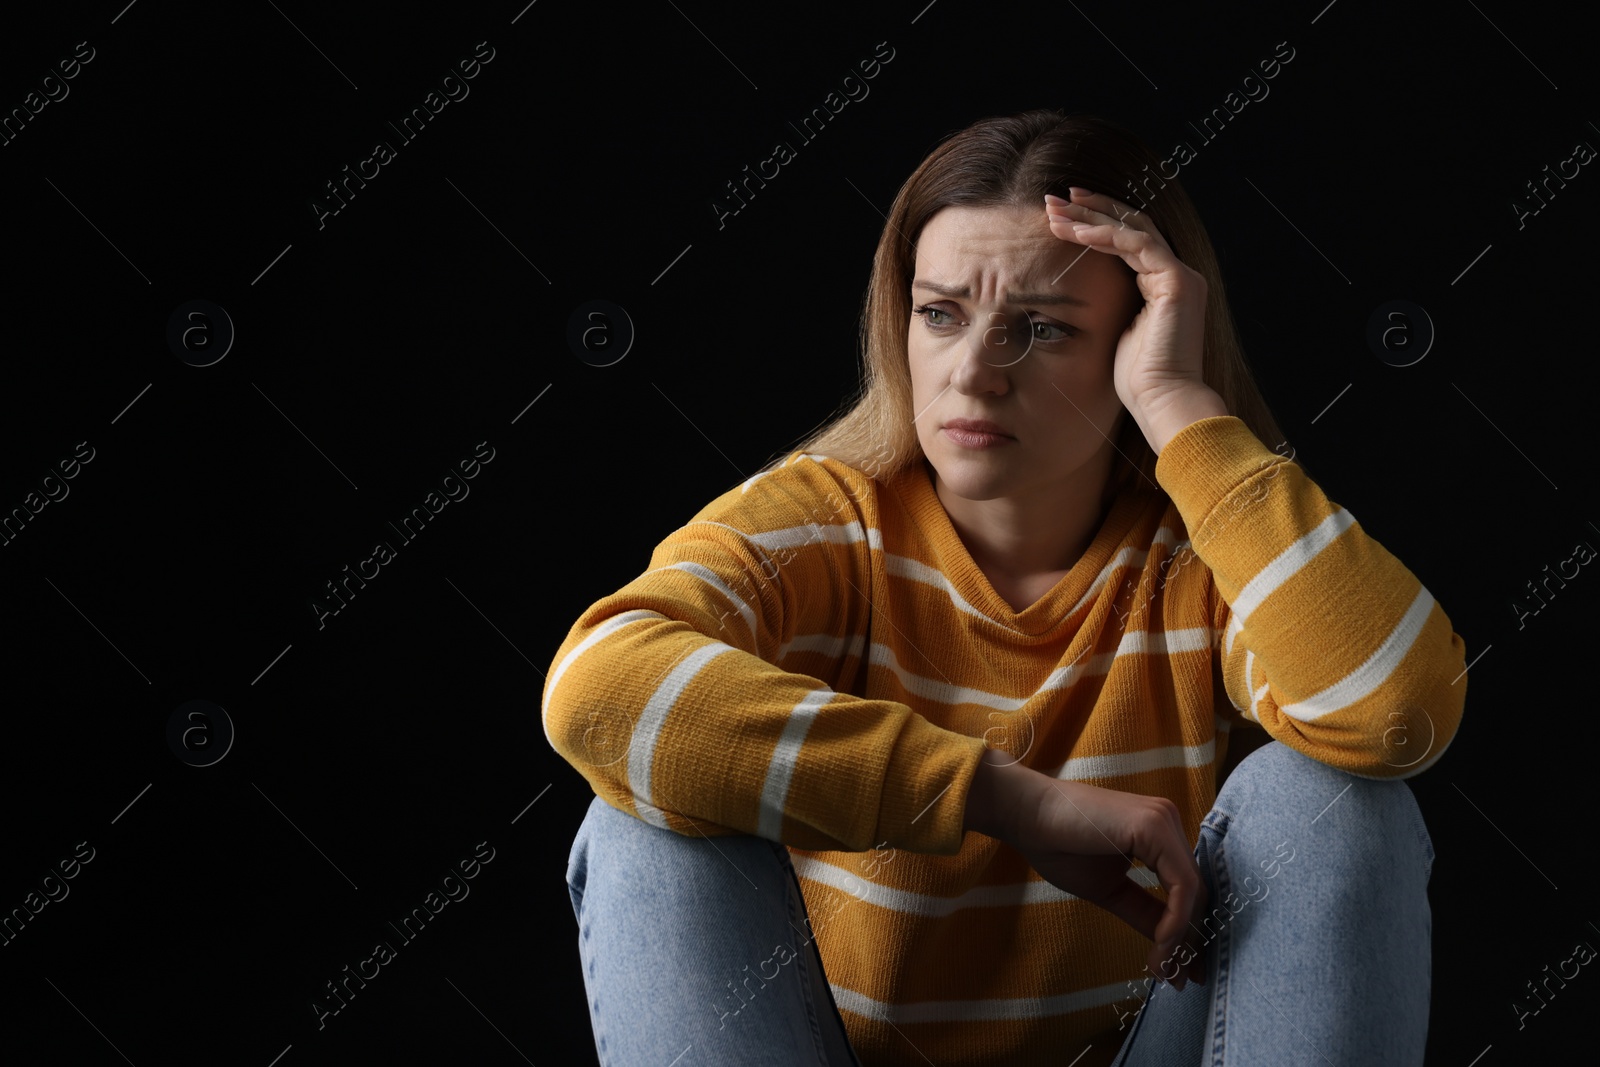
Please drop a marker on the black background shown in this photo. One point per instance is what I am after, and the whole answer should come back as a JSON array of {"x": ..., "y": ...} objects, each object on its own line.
[{"x": 375, "y": 351}]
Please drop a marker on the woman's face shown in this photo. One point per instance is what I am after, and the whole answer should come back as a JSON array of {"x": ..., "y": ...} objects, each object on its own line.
[{"x": 1021, "y": 330}]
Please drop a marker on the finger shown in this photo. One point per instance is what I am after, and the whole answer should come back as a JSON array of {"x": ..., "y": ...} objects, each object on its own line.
[
  {"x": 1058, "y": 209},
  {"x": 1133, "y": 234},
  {"x": 1070, "y": 230},
  {"x": 1107, "y": 205},
  {"x": 1063, "y": 224},
  {"x": 1194, "y": 891},
  {"x": 1183, "y": 964},
  {"x": 1083, "y": 213},
  {"x": 1062, "y": 221},
  {"x": 1192, "y": 940},
  {"x": 1173, "y": 926},
  {"x": 1132, "y": 242},
  {"x": 1139, "y": 909},
  {"x": 1180, "y": 875},
  {"x": 1068, "y": 213},
  {"x": 1089, "y": 234},
  {"x": 1146, "y": 251},
  {"x": 1175, "y": 966}
]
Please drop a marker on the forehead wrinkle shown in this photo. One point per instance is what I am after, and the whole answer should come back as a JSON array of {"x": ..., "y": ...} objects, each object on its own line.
[
  {"x": 1037, "y": 260},
  {"x": 1032, "y": 271}
]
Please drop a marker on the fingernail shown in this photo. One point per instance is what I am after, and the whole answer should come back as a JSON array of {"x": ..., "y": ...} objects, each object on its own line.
[{"x": 1078, "y": 190}]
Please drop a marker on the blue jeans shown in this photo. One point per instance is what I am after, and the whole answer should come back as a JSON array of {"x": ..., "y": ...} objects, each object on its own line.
[{"x": 1317, "y": 947}]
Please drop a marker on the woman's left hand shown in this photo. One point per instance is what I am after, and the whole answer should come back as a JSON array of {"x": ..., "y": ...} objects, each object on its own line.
[{"x": 1159, "y": 354}]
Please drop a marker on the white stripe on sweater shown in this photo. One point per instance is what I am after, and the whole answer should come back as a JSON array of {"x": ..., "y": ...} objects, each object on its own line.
[
  {"x": 642, "y": 742},
  {"x": 780, "y": 769},
  {"x": 714, "y": 580},
  {"x": 1134, "y": 642},
  {"x": 1367, "y": 678},
  {"x": 1289, "y": 561},
  {"x": 917, "y": 571},
  {"x": 788, "y": 462},
  {"x": 1034, "y": 891},
  {"x": 1081, "y": 768},
  {"x": 814, "y": 533},
  {"x": 600, "y": 633}
]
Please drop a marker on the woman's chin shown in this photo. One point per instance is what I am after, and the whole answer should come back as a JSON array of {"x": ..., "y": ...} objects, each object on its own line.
[{"x": 973, "y": 478}]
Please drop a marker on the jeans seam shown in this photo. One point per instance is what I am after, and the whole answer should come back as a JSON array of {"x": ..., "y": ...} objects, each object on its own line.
[
  {"x": 1217, "y": 822},
  {"x": 796, "y": 904}
]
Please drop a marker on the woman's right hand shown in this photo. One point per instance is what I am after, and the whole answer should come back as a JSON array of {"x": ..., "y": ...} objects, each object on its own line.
[{"x": 1083, "y": 839}]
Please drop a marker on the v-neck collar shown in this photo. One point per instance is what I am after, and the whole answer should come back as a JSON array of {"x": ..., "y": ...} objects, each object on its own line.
[{"x": 922, "y": 503}]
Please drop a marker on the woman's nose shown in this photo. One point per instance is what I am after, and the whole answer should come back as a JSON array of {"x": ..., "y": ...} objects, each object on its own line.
[
  {"x": 999, "y": 343},
  {"x": 1015, "y": 340}
]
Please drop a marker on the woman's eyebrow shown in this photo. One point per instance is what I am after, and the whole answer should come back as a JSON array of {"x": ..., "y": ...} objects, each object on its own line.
[{"x": 965, "y": 292}]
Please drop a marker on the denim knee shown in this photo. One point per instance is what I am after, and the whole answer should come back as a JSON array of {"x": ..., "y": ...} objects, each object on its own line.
[
  {"x": 685, "y": 942},
  {"x": 635, "y": 861},
  {"x": 1292, "y": 796},
  {"x": 1318, "y": 912}
]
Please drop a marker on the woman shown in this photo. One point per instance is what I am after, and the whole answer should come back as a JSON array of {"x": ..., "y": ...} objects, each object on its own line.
[{"x": 908, "y": 748}]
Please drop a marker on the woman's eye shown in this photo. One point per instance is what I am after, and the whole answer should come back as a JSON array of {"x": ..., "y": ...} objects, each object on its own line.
[
  {"x": 927, "y": 314},
  {"x": 1063, "y": 332},
  {"x": 938, "y": 325}
]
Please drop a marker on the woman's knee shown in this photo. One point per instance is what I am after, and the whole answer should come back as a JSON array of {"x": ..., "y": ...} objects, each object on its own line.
[
  {"x": 617, "y": 856},
  {"x": 1372, "y": 822},
  {"x": 693, "y": 904},
  {"x": 690, "y": 940}
]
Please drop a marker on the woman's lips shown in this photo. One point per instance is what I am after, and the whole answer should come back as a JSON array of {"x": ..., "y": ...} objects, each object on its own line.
[{"x": 975, "y": 439}]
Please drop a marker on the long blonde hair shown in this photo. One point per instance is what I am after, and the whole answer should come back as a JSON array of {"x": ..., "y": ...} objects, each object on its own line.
[{"x": 1015, "y": 160}]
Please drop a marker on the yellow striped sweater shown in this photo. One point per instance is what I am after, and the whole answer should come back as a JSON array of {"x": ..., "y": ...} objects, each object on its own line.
[{"x": 816, "y": 659}]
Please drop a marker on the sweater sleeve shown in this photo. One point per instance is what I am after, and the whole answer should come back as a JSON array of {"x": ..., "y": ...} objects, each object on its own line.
[
  {"x": 1325, "y": 639},
  {"x": 707, "y": 696}
]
